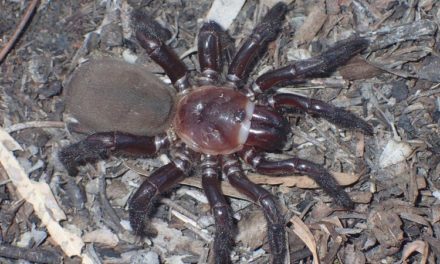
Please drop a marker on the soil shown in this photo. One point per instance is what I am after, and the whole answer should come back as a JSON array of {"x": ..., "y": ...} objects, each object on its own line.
[{"x": 393, "y": 175}]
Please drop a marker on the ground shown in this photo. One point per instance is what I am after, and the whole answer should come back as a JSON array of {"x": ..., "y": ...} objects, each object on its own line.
[{"x": 393, "y": 176}]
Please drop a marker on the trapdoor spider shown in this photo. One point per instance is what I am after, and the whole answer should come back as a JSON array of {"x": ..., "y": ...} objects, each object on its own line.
[{"x": 217, "y": 123}]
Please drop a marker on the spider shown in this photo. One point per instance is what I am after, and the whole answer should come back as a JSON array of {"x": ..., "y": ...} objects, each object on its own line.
[{"x": 216, "y": 122}]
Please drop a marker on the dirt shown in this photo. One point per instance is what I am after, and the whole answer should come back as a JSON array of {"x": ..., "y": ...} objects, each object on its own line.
[{"x": 393, "y": 85}]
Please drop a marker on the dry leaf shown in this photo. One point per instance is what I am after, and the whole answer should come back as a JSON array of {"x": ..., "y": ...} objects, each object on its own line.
[
  {"x": 303, "y": 182},
  {"x": 419, "y": 246},
  {"x": 434, "y": 244},
  {"x": 358, "y": 69},
  {"x": 303, "y": 232},
  {"x": 394, "y": 153}
]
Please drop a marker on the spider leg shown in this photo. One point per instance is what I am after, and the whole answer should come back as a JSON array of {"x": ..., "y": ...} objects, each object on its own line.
[
  {"x": 161, "y": 180},
  {"x": 210, "y": 51},
  {"x": 100, "y": 145},
  {"x": 220, "y": 209},
  {"x": 317, "y": 66},
  {"x": 262, "y": 34},
  {"x": 269, "y": 129},
  {"x": 274, "y": 217},
  {"x": 298, "y": 166},
  {"x": 333, "y": 114},
  {"x": 148, "y": 34}
]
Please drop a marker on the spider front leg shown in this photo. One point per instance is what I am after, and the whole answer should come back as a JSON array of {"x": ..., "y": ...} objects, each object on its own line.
[
  {"x": 263, "y": 33},
  {"x": 147, "y": 33},
  {"x": 298, "y": 166},
  {"x": 220, "y": 209},
  {"x": 268, "y": 129},
  {"x": 275, "y": 220},
  {"x": 333, "y": 114},
  {"x": 317, "y": 66},
  {"x": 210, "y": 51},
  {"x": 158, "y": 182},
  {"x": 101, "y": 145}
]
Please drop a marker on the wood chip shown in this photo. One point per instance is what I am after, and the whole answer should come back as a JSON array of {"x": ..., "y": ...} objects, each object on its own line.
[
  {"x": 386, "y": 228},
  {"x": 312, "y": 25},
  {"x": 103, "y": 237},
  {"x": 252, "y": 229},
  {"x": 224, "y": 11}
]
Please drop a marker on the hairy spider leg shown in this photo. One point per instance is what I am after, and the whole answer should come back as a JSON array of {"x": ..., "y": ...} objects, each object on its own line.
[
  {"x": 318, "y": 66},
  {"x": 314, "y": 107},
  {"x": 298, "y": 166},
  {"x": 161, "y": 180},
  {"x": 147, "y": 33},
  {"x": 265, "y": 32},
  {"x": 100, "y": 145},
  {"x": 275, "y": 219},
  {"x": 209, "y": 48},
  {"x": 223, "y": 240}
]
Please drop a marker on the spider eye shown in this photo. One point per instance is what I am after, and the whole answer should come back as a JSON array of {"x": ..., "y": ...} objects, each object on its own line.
[{"x": 239, "y": 115}]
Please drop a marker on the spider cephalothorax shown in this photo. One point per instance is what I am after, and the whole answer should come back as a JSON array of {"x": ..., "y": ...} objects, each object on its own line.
[{"x": 215, "y": 123}]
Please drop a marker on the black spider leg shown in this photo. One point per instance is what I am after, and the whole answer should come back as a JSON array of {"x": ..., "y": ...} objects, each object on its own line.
[
  {"x": 148, "y": 34},
  {"x": 336, "y": 115},
  {"x": 298, "y": 166},
  {"x": 161, "y": 180},
  {"x": 223, "y": 240},
  {"x": 101, "y": 145},
  {"x": 275, "y": 219},
  {"x": 265, "y": 32},
  {"x": 209, "y": 47},
  {"x": 317, "y": 66}
]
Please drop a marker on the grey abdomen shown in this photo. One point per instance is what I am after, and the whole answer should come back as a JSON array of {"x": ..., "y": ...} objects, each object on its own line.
[{"x": 112, "y": 95}]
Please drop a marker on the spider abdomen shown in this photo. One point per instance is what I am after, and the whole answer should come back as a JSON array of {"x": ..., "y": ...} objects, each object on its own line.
[
  {"x": 110, "y": 94},
  {"x": 213, "y": 120}
]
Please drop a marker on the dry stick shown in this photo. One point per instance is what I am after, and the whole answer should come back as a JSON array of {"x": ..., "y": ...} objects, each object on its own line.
[
  {"x": 19, "y": 30},
  {"x": 35, "y": 124},
  {"x": 115, "y": 221},
  {"x": 36, "y": 255}
]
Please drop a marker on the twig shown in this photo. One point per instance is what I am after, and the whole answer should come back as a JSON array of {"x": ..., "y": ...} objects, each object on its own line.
[
  {"x": 107, "y": 208},
  {"x": 40, "y": 196},
  {"x": 34, "y": 124},
  {"x": 37, "y": 255},
  {"x": 19, "y": 29},
  {"x": 189, "y": 219},
  {"x": 179, "y": 209}
]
